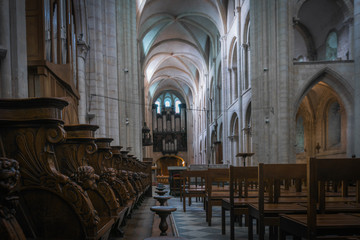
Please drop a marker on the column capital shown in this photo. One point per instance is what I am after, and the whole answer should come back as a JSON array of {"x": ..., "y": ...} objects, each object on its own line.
[
  {"x": 82, "y": 49},
  {"x": 245, "y": 45}
]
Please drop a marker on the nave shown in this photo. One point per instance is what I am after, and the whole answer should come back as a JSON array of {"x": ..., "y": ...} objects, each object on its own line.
[{"x": 189, "y": 225}]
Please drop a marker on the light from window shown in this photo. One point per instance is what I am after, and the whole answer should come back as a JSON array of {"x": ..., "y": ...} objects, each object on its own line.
[
  {"x": 334, "y": 125},
  {"x": 177, "y": 106},
  {"x": 331, "y": 46},
  {"x": 167, "y": 102},
  {"x": 157, "y": 106}
]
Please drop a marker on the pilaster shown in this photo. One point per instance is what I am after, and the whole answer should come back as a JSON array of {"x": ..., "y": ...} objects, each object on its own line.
[{"x": 356, "y": 41}]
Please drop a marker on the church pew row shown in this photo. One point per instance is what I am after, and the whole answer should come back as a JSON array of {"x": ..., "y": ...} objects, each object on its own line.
[
  {"x": 72, "y": 185},
  {"x": 282, "y": 189}
]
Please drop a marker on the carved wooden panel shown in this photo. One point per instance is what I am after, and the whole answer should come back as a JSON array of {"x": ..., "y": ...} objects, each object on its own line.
[{"x": 29, "y": 129}]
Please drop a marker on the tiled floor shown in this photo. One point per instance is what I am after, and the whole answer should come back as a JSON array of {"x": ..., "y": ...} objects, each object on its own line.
[{"x": 192, "y": 223}]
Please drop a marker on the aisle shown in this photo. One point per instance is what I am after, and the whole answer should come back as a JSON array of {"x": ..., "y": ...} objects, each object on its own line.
[
  {"x": 141, "y": 222},
  {"x": 192, "y": 224}
]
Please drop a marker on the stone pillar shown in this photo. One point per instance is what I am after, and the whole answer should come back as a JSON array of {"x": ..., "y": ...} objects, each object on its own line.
[
  {"x": 259, "y": 80},
  {"x": 284, "y": 138},
  {"x": 356, "y": 41},
  {"x": 129, "y": 88},
  {"x": 5, "y": 61},
  {"x": 82, "y": 50},
  {"x": 96, "y": 65},
  {"x": 110, "y": 72},
  {"x": 19, "y": 77},
  {"x": 13, "y": 57}
]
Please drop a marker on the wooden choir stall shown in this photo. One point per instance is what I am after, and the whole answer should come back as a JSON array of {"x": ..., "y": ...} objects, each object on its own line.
[{"x": 60, "y": 181}]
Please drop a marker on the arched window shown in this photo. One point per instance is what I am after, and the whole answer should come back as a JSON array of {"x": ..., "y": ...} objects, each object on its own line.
[
  {"x": 167, "y": 102},
  {"x": 177, "y": 106},
  {"x": 334, "y": 125},
  {"x": 331, "y": 46},
  {"x": 299, "y": 135},
  {"x": 158, "y": 107}
]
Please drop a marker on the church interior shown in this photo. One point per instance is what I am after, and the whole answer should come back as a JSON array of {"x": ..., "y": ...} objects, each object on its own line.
[{"x": 211, "y": 119}]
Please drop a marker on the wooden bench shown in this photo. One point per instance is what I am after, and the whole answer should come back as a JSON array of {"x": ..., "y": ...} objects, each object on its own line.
[
  {"x": 193, "y": 185},
  {"x": 317, "y": 223},
  {"x": 237, "y": 204},
  {"x": 269, "y": 206}
]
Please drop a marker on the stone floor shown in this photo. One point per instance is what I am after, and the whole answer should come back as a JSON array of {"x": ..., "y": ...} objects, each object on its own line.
[
  {"x": 190, "y": 224},
  {"x": 139, "y": 226}
]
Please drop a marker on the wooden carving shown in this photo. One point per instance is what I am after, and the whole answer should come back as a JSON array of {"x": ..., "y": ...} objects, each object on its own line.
[
  {"x": 74, "y": 155},
  {"x": 31, "y": 128},
  {"x": 109, "y": 176},
  {"x": 9, "y": 175}
]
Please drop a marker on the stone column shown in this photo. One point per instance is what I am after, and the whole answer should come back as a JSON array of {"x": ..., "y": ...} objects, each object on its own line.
[
  {"x": 129, "y": 79},
  {"x": 13, "y": 57},
  {"x": 82, "y": 50},
  {"x": 96, "y": 65},
  {"x": 110, "y": 72},
  {"x": 284, "y": 138},
  {"x": 356, "y": 41},
  {"x": 5, "y": 61},
  {"x": 259, "y": 80}
]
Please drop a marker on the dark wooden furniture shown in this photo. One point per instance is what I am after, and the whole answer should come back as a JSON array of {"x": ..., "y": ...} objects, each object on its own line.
[
  {"x": 237, "y": 203},
  {"x": 175, "y": 179},
  {"x": 317, "y": 223},
  {"x": 193, "y": 185},
  {"x": 271, "y": 203},
  {"x": 217, "y": 188},
  {"x": 163, "y": 212},
  {"x": 74, "y": 155},
  {"x": 32, "y": 128},
  {"x": 244, "y": 155},
  {"x": 9, "y": 176}
]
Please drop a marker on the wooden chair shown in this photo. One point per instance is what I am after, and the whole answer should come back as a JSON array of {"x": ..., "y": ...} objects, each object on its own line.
[
  {"x": 269, "y": 206},
  {"x": 217, "y": 188},
  {"x": 193, "y": 185},
  {"x": 317, "y": 223},
  {"x": 237, "y": 204}
]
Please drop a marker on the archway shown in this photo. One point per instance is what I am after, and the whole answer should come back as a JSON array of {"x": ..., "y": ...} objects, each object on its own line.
[
  {"x": 321, "y": 124},
  {"x": 168, "y": 161},
  {"x": 234, "y": 138}
]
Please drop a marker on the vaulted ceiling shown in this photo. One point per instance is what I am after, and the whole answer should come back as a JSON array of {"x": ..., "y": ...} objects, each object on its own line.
[{"x": 177, "y": 40}]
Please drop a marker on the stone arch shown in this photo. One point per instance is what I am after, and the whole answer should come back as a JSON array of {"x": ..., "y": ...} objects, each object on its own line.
[
  {"x": 322, "y": 89},
  {"x": 232, "y": 69},
  {"x": 234, "y": 138},
  {"x": 246, "y": 53},
  {"x": 333, "y": 79},
  {"x": 212, "y": 147},
  {"x": 313, "y": 21},
  {"x": 348, "y": 4},
  {"x": 247, "y": 129}
]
